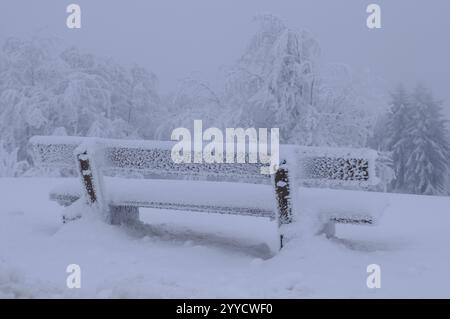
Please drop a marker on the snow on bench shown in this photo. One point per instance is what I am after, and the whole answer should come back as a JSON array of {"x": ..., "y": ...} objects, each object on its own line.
[
  {"x": 242, "y": 190},
  {"x": 349, "y": 206},
  {"x": 316, "y": 165},
  {"x": 225, "y": 197}
]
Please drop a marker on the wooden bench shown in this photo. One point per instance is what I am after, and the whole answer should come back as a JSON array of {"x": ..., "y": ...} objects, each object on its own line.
[{"x": 242, "y": 190}]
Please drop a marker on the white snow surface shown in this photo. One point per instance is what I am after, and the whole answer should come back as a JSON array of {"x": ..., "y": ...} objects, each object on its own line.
[{"x": 195, "y": 255}]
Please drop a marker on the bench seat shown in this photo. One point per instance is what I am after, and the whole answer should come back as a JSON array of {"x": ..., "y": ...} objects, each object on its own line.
[
  {"x": 200, "y": 196},
  {"x": 349, "y": 207}
]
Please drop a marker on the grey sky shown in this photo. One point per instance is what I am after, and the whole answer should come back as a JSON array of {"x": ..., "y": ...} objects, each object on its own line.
[{"x": 175, "y": 38}]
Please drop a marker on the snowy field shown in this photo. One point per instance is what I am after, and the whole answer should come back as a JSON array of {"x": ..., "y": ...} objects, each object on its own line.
[{"x": 195, "y": 255}]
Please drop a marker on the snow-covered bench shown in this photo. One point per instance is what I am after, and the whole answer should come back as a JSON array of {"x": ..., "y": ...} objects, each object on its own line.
[{"x": 237, "y": 188}]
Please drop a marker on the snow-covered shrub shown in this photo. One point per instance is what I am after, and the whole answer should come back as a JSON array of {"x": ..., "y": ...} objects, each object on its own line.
[
  {"x": 9, "y": 166},
  {"x": 385, "y": 171}
]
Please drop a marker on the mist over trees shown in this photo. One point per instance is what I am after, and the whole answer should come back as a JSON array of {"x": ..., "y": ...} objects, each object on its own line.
[
  {"x": 47, "y": 89},
  {"x": 414, "y": 132},
  {"x": 280, "y": 80}
]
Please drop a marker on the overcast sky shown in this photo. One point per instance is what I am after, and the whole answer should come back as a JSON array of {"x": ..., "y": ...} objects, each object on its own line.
[{"x": 176, "y": 38}]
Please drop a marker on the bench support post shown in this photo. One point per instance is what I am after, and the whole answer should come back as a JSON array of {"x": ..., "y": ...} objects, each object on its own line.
[
  {"x": 329, "y": 229},
  {"x": 283, "y": 198},
  {"x": 87, "y": 177},
  {"x": 123, "y": 214},
  {"x": 92, "y": 180}
]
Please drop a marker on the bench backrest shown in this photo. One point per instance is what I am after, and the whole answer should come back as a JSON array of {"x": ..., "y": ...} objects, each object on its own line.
[{"x": 313, "y": 165}]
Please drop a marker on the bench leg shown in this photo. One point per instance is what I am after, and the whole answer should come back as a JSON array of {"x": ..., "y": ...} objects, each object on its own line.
[
  {"x": 329, "y": 229},
  {"x": 123, "y": 214},
  {"x": 88, "y": 178},
  {"x": 283, "y": 199},
  {"x": 92, "y": 178}
]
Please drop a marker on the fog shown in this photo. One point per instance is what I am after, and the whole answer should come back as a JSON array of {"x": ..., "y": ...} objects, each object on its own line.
[{"x": 177, "y": 38}]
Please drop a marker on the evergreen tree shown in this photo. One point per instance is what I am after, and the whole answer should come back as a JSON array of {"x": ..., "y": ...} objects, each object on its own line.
[
  {"x": 416, "y": 135},
  {"x": 397, "y": 140},
  {"x": 427, "y": 144}
]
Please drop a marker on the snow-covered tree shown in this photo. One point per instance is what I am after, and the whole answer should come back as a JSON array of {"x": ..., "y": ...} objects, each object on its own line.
[
  {"x": 392, "y": 130},
  {"x": 145, "y": 111},
  {"x": 280, "y": 82},
  {"x": 427, "y": 142},
  {"x": 44, "y": 86},
  {"x": 416, "y": 135},
  {"x": 193, "y": 100},
  {"x": 348, "y": 106},
  {"x": 272, "y": 83}
]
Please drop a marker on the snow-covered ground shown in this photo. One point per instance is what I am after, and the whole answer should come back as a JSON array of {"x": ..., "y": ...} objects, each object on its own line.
[{"x": 190, "y": 255}]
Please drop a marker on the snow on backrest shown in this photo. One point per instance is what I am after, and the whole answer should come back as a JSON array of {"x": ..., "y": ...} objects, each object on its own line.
[
  {"x": 51, "y": 151},
  {"x": 146, "y": 156},
  {"x": 325, "y": 166},
  {"x": 312, "y": 166},
  {"x": 158, "y": 160}
]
